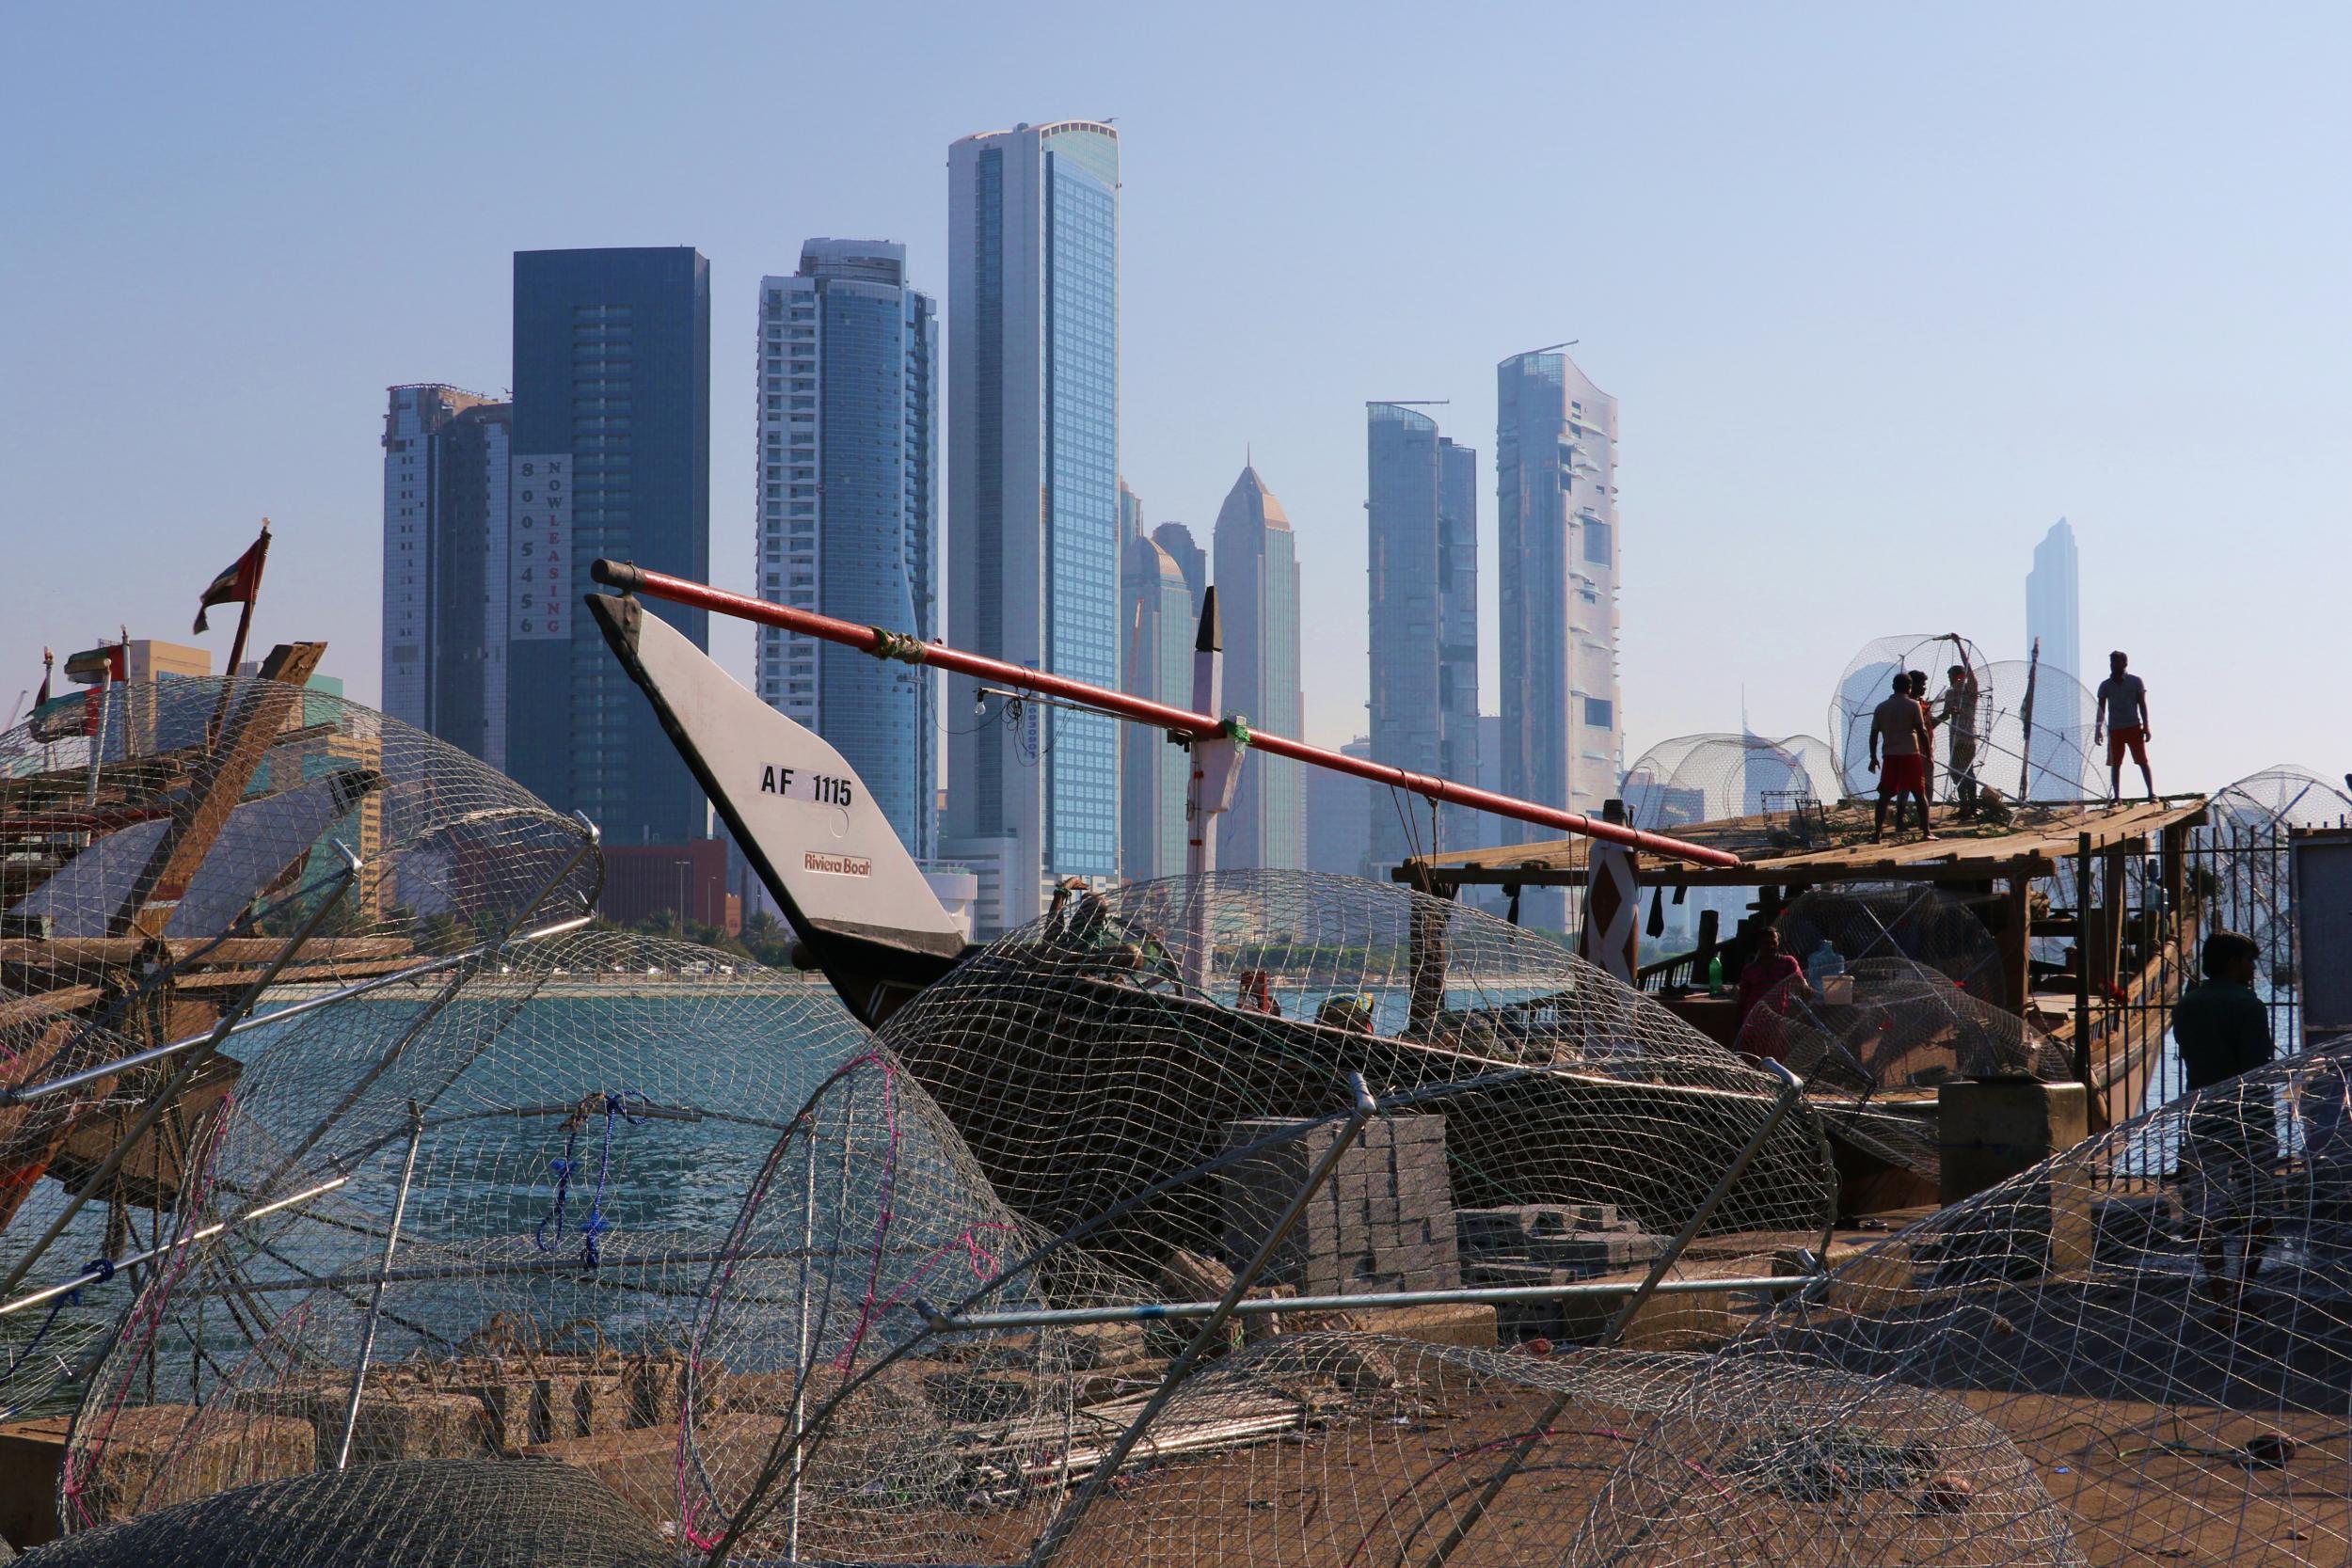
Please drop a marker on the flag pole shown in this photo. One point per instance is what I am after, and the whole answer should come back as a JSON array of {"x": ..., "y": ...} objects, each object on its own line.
[{"x": 236, "y": 643}]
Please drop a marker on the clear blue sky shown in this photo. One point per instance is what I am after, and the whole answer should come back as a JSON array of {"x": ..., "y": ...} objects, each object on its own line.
[{"x": 1883, "y": 290}]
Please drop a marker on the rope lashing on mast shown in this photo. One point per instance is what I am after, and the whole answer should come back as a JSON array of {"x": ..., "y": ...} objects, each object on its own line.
[{"x": 903, "y": 646}]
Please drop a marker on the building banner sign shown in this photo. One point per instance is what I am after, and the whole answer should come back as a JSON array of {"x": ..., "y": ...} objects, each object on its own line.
[{"x": 539, "y": 557}]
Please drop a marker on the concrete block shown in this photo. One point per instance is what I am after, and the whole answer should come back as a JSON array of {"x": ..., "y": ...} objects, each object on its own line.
[{"x": 1989, "y": 1130}]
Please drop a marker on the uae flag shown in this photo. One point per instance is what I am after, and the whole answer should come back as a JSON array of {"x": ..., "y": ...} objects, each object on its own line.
[{"x": 238, "y": 582}]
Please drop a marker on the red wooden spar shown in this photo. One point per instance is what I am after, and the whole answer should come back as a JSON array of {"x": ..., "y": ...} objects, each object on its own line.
[{"x": 1199, "y": 726}]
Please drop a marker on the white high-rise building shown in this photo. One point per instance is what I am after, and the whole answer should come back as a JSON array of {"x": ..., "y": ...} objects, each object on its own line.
[
  {"x": 445, "y": 564},
  {"x": 1556, "y": 562},
  {"x": 1033, "y": 502},
  {"x": 849, "y": 512}
]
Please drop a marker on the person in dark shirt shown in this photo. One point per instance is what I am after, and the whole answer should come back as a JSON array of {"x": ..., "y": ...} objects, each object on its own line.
[{"x": 2230, "y": 1149}]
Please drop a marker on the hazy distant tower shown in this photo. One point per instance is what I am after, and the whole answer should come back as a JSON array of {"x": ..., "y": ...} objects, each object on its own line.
[
  {"x": 1257, "y": 601},
  {"x": 1421, "y": 527},
  {"x": 1557, "y": 561},
  {"x": 2053, "y": 615},
  {"x": 1156, "y": 628},
  {"x": 445, "y": 561},
  {"x": 848, "y": 511},
  {"x": 1033, "y": 500}
]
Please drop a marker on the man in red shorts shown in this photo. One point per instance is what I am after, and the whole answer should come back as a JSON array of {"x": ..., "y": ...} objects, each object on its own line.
[
  {"x": 2123, "y": 720},
  {"x": 1900, "y": 725}
]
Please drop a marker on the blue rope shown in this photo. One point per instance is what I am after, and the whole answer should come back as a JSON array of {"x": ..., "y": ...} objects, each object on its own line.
[
  {"x": 104, "y": 1268},
  {"x": 563, "y": 1169},
  {"x": 592, "y": 1228}
]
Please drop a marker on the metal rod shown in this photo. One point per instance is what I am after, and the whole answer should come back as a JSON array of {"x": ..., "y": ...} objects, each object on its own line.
[
  {"x": 2081, "y": 961},
  {"x": 167, "y": 1093},
  {"x": 375, "y": 1297},
  {"x": 1074, "y": 1511},
  {"x": 1266, "y": 1305},
  {"x": 1792, "y": 1087},
  {"x": 280, "y": 1015},
  {"x": 800, "y": 1381},
  {"x": 92, "y": 1276},
  {"x": 1199, "y": 726}
]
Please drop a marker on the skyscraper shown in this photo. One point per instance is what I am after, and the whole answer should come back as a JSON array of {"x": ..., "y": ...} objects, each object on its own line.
[
  {"x": 1556, "y": 537},
  {"x": 1338, "y": 816},
  {"x": 611, "y": 457},
  {"x": 1190, "y": 559},
  {"x": 1257, "y": 600},
  {"x": 2054, "y": 619},
  {"x": 1033, "y": 500},
  {"x": 445, "y": 561},
  {"x": 848, "y": 511},
  {"x": 1423, "y": 523}
]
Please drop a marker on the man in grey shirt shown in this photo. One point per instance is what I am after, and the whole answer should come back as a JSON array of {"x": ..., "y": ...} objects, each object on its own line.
[{"x": 2123, "y": 722}]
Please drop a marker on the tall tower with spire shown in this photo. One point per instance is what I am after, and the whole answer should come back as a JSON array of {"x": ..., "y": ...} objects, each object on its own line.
[{"x": 1257, "y": 592}]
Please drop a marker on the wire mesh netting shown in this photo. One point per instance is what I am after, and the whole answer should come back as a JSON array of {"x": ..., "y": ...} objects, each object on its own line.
[
  {"x": 1100, "y": 1061},
  {"x": 1705, "y": 778},
  {"x": 2160, "y": 1318},
  {"x": 1394, "y": 1451},
  {"x": 1829, "y": 929},
  {"x": 195, "y": 844},
  {"x": 2246, "y": 827},
  {"x": 481, "y": 1513},
  {"x": 535, "y": 1253},
  {"x": 1874, "y": 1040},
  {"x": 2041, "y": 751}
]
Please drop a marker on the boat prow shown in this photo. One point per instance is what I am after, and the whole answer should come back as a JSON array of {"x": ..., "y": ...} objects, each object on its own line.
[{"x": 805, "y": 819}]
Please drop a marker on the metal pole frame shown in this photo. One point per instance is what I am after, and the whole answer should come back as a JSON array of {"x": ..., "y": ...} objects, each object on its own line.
[
  {"x": 632, "y": 579},
  {"x": 1792, "y": 1088},
  {"x": 167, "y": 1093},
  {"x": 1074, "y": 1511},
  {"x": 375, "y": 1297}
]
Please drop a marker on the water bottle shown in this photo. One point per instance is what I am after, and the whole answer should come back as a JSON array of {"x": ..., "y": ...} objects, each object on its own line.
[{"x": 1715, "y": 975}]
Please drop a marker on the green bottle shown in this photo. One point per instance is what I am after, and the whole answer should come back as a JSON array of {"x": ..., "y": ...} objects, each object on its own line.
[{"x": 1715, "y": 974}]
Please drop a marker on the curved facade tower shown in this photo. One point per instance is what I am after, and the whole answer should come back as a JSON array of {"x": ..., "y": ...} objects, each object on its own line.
[
  {"x": 1256, "y": 594},
  {"x": 1557, "y": 547}
]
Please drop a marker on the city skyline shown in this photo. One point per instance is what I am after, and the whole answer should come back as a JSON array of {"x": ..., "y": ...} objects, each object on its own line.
[{"x": 1851, "y": 298}]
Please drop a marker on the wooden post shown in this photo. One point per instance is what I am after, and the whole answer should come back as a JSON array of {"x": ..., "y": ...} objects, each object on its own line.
[
  {"x": 2175, "y": 852},
  {"x": 1426, "y": 961},
  {"x": 2017, "y": 942},
  {"x": 2112, "y": 915}
]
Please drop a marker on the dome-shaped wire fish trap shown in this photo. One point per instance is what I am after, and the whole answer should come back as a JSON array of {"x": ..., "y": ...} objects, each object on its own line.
[
  {"x": 1869, "y": 680},
  {"x": 1705, "y": 778},
  {"x": 2160, "y": 1318},
  {"x": 209, "y": 847}
]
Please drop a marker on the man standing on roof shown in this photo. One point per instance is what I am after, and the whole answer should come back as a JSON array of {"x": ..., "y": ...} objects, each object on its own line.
[
  {"x": 2123, "y": 719},
  {"x": 1960, "y": 717},
  {"x": 1900, "y": 724}
]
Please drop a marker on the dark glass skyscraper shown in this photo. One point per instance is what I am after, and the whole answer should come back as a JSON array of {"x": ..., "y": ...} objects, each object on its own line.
[
  {"x": 611, "y": 457},
  {"x": 1033, "y": 500}
]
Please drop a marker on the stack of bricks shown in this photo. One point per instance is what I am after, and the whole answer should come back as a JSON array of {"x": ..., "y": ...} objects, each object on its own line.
[
  {"x": 1384, "y": 1220},
  {"x": 1547, "y": 1243}
]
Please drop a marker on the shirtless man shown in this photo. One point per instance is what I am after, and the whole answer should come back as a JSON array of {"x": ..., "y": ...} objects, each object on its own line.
[
  {"x": 1900, "y": 725},
  {"x": 2122, "y": 722}
]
